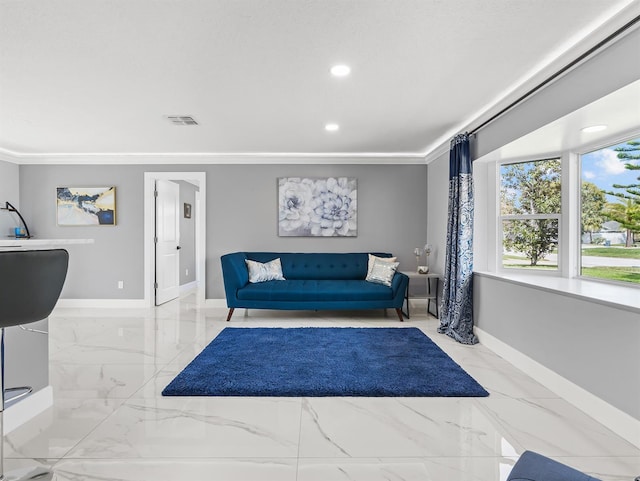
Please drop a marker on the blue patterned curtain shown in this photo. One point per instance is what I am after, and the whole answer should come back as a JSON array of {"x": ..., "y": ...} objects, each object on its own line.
[{"x": 456, "y": 318}]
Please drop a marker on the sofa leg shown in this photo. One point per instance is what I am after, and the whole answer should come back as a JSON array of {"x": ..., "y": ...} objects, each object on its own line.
[
  {"x": 231, "y": 309},
  {"x": 399, "y": 312}
]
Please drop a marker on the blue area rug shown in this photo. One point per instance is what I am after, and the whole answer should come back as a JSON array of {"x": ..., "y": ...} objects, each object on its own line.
[{"x": 313, "y": 362}]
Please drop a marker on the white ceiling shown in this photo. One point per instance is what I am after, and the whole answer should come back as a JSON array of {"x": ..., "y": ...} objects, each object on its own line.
[{"x": 86, "y": 78}]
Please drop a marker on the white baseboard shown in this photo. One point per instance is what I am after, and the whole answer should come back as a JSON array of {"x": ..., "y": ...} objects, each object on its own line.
[
  {"x": 26, "y": 409},
  {"x": 186, "y": 288},
  {"x": 100, "y": 303},
  {"x": 610, "y": 416}
]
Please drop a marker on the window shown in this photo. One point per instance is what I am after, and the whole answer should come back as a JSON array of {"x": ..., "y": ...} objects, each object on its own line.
[
  {"x": 610, "y": 213},
  {"x": 530, "y": 203}
]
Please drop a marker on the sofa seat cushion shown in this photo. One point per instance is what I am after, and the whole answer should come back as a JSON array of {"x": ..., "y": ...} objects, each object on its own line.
[{"x": 315, "y": 290}]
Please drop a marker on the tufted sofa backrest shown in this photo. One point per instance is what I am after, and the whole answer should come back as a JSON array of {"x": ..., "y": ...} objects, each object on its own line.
[{"x": 332, "y": 266}]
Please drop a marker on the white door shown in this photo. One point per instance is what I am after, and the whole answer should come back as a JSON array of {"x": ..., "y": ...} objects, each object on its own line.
[{"x": 167, "y": 241}]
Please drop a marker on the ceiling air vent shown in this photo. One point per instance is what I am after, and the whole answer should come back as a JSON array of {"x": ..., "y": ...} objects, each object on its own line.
[{"x": 181, "y": 120}]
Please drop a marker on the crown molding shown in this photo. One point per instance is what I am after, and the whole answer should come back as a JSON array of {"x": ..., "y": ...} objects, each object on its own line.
[
  {"x": 9, "y": 156},
  {"x": 212, "y": 158}
]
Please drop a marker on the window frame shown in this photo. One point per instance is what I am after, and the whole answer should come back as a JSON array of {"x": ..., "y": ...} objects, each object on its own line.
[
  {"x": 578, "y": 152},
  {"x": 561, "y": 247}
]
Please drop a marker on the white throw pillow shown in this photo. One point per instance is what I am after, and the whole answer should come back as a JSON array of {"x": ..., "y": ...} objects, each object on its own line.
[
  {"x": 373, "y": 258},
  {"x": 382, "y": 272},
  {"x": 269, "y": 271}
]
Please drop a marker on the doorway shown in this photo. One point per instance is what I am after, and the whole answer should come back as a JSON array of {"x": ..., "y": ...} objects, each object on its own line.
[{"x": 199, "y": 214}]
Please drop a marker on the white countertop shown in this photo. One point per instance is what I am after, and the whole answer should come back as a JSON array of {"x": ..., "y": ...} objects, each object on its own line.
[{"x": 25, "y": 244}]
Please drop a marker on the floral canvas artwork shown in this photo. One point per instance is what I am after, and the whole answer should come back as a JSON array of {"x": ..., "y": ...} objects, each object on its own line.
[
  {"x": 83, "y": 206},
  {"x": 317, "y": 207}
]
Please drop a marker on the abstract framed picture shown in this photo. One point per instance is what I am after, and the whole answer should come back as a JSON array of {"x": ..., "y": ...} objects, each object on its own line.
[
  {"x": 317, "y": 207},
  {"x": 86, "y": 206}
]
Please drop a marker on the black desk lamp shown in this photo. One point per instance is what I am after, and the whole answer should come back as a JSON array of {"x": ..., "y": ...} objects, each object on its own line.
[{"x": 11, "y": 208}]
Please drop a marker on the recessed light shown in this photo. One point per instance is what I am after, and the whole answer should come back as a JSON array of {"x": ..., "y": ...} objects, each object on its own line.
[
  {"x": 331, "y": 127},
  {"x": 594, "y": 128},
  {"x": 340, "y": 70}
]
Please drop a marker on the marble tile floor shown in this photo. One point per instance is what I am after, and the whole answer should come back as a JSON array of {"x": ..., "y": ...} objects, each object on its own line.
[{"x": 110, "y": 422}]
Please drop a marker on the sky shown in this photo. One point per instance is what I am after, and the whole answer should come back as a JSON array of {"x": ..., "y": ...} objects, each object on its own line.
[{"x": 603, "y": 168}]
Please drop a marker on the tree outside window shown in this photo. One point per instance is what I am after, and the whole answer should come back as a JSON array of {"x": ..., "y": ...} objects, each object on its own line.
[{"x": 530, "y": 205}]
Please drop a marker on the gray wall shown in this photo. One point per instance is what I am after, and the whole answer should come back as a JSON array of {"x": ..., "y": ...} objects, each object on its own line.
[
  {"x": 187, "y": 233},
  {"x": 591, "y": 345},
  {"x": 392, "y": 211},
  {"x": 26, "y": 353},
  {"x": 9, "y": 191},
  {"x": 437, "y": 200},
  {"x": 241, "y": 215},
  {"x": 94, "y": 270}
]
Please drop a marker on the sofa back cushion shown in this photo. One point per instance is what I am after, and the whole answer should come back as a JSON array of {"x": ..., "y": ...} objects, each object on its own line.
[{"x": 319, "y": 266}]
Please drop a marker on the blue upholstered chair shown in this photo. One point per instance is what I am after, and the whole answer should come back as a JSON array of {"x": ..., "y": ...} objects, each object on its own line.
[
  {"x": 535, "y": 467},
  {"x": 30, "y": 285}
]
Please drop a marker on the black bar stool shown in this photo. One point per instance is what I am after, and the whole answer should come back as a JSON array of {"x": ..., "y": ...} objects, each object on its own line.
[{"x": 30, "y": 285}]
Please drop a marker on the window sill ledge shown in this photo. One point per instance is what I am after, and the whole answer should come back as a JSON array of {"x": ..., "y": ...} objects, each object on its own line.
[{"x": 620, "y": 297}]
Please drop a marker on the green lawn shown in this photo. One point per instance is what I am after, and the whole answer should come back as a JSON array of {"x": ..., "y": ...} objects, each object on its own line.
[
  {"x": 511, "y": 256},
  {"x": 621, "y": 252},
  {"x": 625, "y": 274},
  {"x": 524, "y": 264},
  {"x": 618, "y": 273},
  {"x": 528, "y": 266}
]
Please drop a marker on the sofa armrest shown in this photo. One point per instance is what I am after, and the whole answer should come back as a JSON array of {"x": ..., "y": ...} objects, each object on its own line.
[
  {"x": 399, "y": 284},
  {"x": 234, "y": 275},
  {"x": 535, "y": 467}
]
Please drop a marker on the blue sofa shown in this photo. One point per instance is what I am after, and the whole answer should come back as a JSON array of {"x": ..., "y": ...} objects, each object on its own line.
[
  {"x": 314, "y": 281},
  {"x": 534, "y": 467}
]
